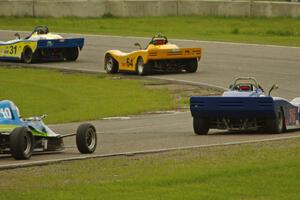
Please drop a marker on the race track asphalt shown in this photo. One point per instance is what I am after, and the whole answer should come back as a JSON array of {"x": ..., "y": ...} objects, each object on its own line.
[{"x": 221, "y": 62}]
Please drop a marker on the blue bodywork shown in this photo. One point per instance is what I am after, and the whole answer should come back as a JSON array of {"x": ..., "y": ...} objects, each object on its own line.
[
  {"x": 9, "y": 114},
  {"x": 10, "y": 119},
  {"x": 249, "y": 109},
  {"x": 61, "y": 43}
]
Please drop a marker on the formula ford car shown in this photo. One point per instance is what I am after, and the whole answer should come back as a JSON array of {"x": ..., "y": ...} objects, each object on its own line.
[
  {"x": 41, "y": 45},
  {"x": 245, "y": 107},
  {"x": 159, "y": 55},
  {"x": 21, "y": 137}
]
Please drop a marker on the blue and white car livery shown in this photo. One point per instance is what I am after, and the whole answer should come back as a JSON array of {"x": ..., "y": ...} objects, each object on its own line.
[
  {"x": 41, "y": 45},
  {"x": 244, "y": 107}
]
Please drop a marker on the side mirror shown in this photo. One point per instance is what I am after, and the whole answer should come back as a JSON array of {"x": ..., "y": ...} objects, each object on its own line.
[
  {"x": 138, "y": 45},
  {"x": 274, "y": 87},
  {"x": 17, "y": 35}
]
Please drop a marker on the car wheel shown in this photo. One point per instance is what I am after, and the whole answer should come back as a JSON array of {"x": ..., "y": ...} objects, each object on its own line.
[
  {"x": 277, "y": 125},
  {"x": 111, "y": 65},
  {"x": 192, "y": 66},
  {"x": 21, "y": 143},
  {"x": 201, "y": 126},
  {"x": 27, "y": 55},
  {"x": 141, "y": 68},
  {"x": 86, "y": 138},
  {"x": 71, "y": 54}
]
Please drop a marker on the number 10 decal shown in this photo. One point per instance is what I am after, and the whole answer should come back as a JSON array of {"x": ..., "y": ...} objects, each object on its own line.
[{"x": 6, "y": 113}]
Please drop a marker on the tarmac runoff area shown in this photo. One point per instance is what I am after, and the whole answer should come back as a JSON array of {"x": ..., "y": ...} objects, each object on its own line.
[{"x": 221, "y": 62}]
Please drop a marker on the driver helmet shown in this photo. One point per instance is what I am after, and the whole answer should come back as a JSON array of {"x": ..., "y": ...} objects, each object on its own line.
[
  {"x": 40, "y": 32},
  {"x": 159, "y": 41}
]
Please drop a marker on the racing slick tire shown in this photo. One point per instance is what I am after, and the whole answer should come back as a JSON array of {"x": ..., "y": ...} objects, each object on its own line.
[
  {"x": 27, "y": 55},
  {"x": 86, "y": 138},
  {"x": 110, "y": 65},
  {"x": 21, "y": 143},
  {"x": 277, "y": 125},
  {"x": 71, "y": 54},
  {"x": 141, "y": 68},
  {"x": 192, "y": 66},
  {"x": 201, "y": 126}
]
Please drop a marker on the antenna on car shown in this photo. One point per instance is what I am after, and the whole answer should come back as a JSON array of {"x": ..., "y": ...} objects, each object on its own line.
[{"x": 274, "y": 87}]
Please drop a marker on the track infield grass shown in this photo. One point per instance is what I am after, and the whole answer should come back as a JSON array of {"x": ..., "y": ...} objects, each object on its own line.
[
  {"x": 268, "y": 170},
  {"x": 67, "y": 97},
  {"x": 278, "y": 31}
]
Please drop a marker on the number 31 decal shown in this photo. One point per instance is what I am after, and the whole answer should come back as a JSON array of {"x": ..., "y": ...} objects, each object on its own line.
[
  {"x": 12, "y": 49},
  {"x": 5, "y": 113}
]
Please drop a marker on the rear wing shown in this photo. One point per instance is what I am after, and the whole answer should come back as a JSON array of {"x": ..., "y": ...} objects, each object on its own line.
[
  {"x": 181, "y": 53},
  {"x": 61, "y": 43},
  {"x": 233, "y": 107}
]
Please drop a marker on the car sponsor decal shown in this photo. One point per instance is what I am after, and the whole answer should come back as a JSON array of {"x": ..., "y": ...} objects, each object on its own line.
[{"x": 292, "y": 115}]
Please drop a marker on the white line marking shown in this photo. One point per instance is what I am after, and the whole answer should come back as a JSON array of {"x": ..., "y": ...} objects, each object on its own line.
[
  {"x": 183, "y": 40},
  {"x": 114, "y": 118},
  {"x": 45, "y": 162}
]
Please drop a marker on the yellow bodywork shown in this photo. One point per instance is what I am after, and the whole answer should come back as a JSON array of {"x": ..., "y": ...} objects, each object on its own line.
[
  {"x": 128, "y": 61},
  {"x": 14, "y": 49}
]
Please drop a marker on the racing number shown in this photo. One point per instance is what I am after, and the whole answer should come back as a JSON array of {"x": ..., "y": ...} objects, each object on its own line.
[
  {"x": 129, "y": 62},
  {"x": 12, "y": 49},
  {"x": 5, "y": 112}
]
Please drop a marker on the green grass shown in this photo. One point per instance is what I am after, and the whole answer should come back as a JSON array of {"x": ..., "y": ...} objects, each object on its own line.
[
  {"x": 257, "y": 171},
  {"x": 280, "y": 31},
  {"x": 69, "y": 97}
]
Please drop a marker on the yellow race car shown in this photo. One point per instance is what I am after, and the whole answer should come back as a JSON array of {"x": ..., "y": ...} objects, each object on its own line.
[
  {"x": 160, "y": 55},
  {"x": 41, "y": 45}
]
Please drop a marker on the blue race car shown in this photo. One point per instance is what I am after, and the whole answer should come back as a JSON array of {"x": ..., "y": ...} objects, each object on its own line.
[
  {"x": 244, "y": 107},
  {"x": 20, "y": 137}
]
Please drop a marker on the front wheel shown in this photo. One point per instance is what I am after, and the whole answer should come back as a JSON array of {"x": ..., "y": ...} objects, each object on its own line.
[
  {"x": 111, "y": 65},
  {"x": 201, "y": 126},
  {"x": 71, "y": 54},
  {"x": 86, "y": 138},
  {"x": 192, "y": 66},
  {"x": 21, "y": 143}
]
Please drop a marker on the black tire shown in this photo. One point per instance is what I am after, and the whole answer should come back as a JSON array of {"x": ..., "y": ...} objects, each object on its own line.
[
  {"x": 201, "y": 126},
  {"x": 21, "y": 143},
  {"x": 141, "y": 68},
  {"x": 192, "y": 66},
  {"x": 86, "y": 138},
  {"x": 277, "y": 125},
  {"x": 27, "y": 55},
  {"x": 71, "y": 54},
  {"x": 110, "y": 65}
]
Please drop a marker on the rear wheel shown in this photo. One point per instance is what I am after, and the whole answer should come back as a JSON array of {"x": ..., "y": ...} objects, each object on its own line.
[
  {"x": 86, "y": 138},
  {"x": 27, "y": 55},
  {"x": 21, "y": 143},
  {"x": 201, "y": 126},
  {"x": 192, "y": 66},
  {"x": 71, "y": 54},
  {"x": 111, "y": 65},
  {"x": 141, "y": 68},
  {"x": 277, "y": 125}
]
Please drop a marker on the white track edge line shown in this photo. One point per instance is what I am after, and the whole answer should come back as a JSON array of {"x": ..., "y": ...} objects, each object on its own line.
[
  {"x": 183, "y": 40},
  {"x": 52, "y": 161}
]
